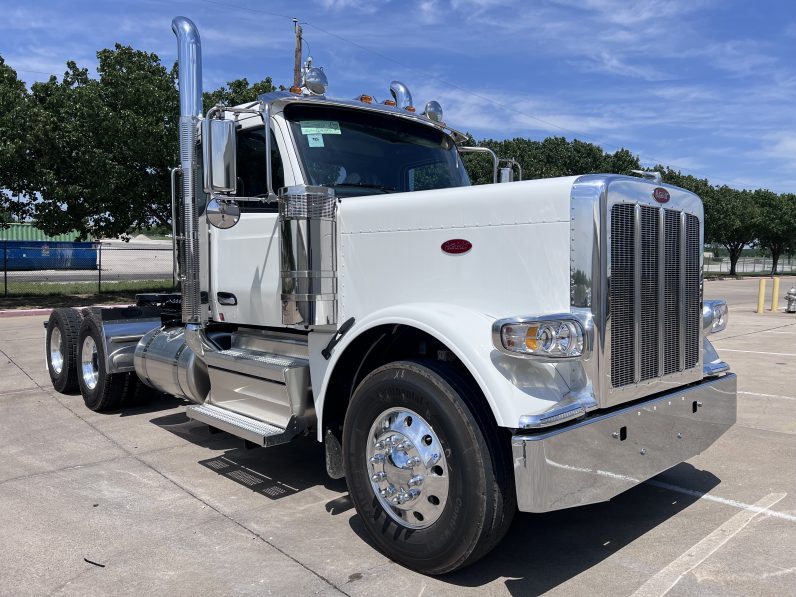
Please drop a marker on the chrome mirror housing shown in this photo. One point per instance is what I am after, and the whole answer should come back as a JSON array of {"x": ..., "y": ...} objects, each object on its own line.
[
  {"x": 222, "y": 213},
  {"x": 220, "y": 153},
  {"x": 506, "y": 175}
]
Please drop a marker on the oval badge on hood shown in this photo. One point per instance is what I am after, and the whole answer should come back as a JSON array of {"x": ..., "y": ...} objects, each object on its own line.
[
  {"x": 661, "y": 195},
  {"x": 456, "y": 246}
]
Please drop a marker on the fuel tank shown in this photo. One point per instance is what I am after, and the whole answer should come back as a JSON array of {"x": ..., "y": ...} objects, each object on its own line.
[{"x": 164, "y": 362}]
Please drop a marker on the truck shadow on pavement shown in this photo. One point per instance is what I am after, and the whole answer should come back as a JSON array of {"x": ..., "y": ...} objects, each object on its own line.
[
  {"x": 275, "y": 472},
  {"x": 542, "y": 551}
]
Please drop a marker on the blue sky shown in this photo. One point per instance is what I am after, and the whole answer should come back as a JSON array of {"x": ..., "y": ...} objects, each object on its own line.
[{"x": 706, "y": 86}]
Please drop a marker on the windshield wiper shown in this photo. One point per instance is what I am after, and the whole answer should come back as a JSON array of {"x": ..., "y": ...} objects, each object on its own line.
[{"x": 364, "y": 185}]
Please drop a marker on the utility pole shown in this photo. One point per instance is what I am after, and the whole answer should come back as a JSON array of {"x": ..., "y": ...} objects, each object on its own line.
[{"x": 297, "y": 57}]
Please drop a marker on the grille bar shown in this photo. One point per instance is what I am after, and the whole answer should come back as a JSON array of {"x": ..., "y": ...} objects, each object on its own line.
[
  {"x": 622, "y": 289},
  {"x": 655, "y": 292},
  {"x": 693, "y": 292},
  {"x": 648, "y": 300}
]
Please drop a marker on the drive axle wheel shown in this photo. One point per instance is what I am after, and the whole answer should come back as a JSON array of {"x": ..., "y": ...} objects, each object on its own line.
[
  {"x": 426, "y": 467},
  {"x": 61, "y": 346},
  {"x": 101, "y": 390}
]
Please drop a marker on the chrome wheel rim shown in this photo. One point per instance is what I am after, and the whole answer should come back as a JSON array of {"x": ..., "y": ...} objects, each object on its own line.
[
  {"x": 407, "y": 468},
  {"x": 89, "y": 363},
  {"x": 57, "y": 351}
]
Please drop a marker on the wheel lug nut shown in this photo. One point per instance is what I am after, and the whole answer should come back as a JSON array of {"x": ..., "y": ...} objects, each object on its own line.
[
  {"x": 376, "y": 459},
  {"x": 414, "y": 461},
  {"x": 379, "y": 445},
  {"x": 406, "y": 445},
  {"x": 416, "y": 480},
  {"x": 379, "y": 476},
  {"x": 413, "y": 493}
]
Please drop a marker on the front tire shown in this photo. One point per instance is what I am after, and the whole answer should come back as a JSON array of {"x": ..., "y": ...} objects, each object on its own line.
[
  {"x": 426, "y": 467},
  {"x": 102, "y": 391}
]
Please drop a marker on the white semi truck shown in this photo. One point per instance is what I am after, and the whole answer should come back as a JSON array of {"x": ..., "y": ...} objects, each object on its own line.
[{"x": 462, "y": 351}]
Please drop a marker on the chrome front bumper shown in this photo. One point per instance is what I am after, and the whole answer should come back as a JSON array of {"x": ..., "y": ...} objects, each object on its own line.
[{"x": 605, "y": 454}]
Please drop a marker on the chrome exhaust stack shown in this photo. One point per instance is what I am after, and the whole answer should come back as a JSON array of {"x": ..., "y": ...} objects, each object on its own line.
[{"x": 189, "y": 59}]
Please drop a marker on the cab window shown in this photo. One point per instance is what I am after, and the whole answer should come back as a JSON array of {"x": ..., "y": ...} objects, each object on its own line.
[{"x": 251, "y": 167}]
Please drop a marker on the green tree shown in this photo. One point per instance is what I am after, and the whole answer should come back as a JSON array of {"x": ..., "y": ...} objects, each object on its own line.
[
  {"x": 15, "y": 167},
  {"x": 776, "y": 224},
  {"x": 237, "y": 92},
  {"x": 553, "y": 156},
  {"x": 103, "y": 145},
  {"x": 731, "y": 218}
]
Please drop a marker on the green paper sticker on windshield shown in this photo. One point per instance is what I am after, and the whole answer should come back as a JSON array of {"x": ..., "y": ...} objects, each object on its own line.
[
  {"x": 320, "y": 127},
  {"x": 315, "y": 140}
]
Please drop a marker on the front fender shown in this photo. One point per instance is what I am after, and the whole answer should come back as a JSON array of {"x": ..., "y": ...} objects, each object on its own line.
[{"x": 512, "y": 386}]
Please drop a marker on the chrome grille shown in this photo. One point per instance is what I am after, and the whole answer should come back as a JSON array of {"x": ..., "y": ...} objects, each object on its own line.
[{"x": 655, "y": 292}]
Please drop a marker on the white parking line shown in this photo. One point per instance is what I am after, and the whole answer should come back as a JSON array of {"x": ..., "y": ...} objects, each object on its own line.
[
  {"x": 768, "y": 395},
  {"x": 666, "y": 579},
  {"x": 720, "y": 500},
  {"x": 692, "y": 492},
  {"x": 776, "y": 354}
]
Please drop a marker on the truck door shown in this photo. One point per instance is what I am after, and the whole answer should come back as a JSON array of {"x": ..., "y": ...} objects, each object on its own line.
[{"x": 244, "y": 259}]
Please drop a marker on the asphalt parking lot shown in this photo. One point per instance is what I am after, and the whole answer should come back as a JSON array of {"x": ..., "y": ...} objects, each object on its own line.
[{"x": 146, "y": 502}]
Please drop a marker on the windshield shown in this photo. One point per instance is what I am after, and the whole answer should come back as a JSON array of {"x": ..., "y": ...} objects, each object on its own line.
[{"x": 361, "y": 153}]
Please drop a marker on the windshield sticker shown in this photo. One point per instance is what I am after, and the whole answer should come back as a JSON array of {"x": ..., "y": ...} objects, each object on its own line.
[
  {"x": 315, "y": 140},
  {"x": 320, "y": 127}
]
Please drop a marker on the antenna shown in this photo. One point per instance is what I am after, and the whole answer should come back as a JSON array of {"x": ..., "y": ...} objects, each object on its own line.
[{"x": 297, "y": 55}]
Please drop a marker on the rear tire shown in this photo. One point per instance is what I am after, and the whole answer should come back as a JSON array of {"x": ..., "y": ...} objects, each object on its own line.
[
  {"x": 410, "y": 415},
  {"x": 102, "y": 391},
  {"x": 63, "y": 328}
]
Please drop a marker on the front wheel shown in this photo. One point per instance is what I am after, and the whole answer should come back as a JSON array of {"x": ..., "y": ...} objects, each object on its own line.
[{"x": 426, "y": 468}]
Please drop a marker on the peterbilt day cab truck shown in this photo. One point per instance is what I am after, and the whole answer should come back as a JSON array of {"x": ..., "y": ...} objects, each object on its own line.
[{"x": 461, "y": 351}]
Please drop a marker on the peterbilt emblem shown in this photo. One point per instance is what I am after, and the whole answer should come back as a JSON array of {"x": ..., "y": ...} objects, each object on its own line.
[
  {"x": 456, "y": 246},
  {"x": 661, "y": 195}
]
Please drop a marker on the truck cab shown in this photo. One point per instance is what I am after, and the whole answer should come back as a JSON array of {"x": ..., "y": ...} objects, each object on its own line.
[{"x": 461, "y": 351}]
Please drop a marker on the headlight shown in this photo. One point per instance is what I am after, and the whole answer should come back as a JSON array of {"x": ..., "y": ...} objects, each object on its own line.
[
  {"x": 548, "y": 337},
  {"x": 714, "y": 316}
]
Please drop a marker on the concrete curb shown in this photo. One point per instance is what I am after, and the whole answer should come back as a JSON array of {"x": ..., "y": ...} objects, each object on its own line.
[{"x": 47, "y": 311}]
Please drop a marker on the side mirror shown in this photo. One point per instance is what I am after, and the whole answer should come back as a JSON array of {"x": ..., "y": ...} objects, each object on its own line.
[
  {"x": 222, "y": 213},
  {"x": 219, "y": 151}
]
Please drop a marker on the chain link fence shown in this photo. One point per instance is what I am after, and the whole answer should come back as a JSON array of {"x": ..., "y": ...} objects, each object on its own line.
[
  {"x": 32, "y": 268},
  {"x": 751, "y": 265}
]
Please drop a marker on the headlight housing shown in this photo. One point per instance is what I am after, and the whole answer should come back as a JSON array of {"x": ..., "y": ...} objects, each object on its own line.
[
  {"x": 714, "y": 316},
  {"x": 548, "y": 337}
]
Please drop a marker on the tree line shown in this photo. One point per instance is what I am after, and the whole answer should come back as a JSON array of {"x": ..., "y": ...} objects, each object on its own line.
[{"x": 92, "y": 154}]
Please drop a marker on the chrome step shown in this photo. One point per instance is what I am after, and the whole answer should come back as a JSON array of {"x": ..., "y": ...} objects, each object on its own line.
[
  {"x": 252, "y": 430},
  {"x": 260, "y": 364}
]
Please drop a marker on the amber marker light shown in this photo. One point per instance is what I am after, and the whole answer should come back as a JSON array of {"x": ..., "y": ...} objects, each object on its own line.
[
  {"x": 410, "y": 109},
  {"x": 389, "y": 103},
  {"x": 295, "y": 89},
  {"x": 366, "y": 99}
]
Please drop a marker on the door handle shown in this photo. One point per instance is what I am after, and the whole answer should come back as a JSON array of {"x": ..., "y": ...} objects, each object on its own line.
[{"x": 226, "y": 298}]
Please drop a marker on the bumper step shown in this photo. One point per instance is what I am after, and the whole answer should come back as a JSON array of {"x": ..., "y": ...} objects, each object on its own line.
[{"x": 252, "y": 430}]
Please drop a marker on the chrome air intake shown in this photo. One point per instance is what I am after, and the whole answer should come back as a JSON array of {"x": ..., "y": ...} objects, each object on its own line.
[{"x": 308, "y": 225}]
